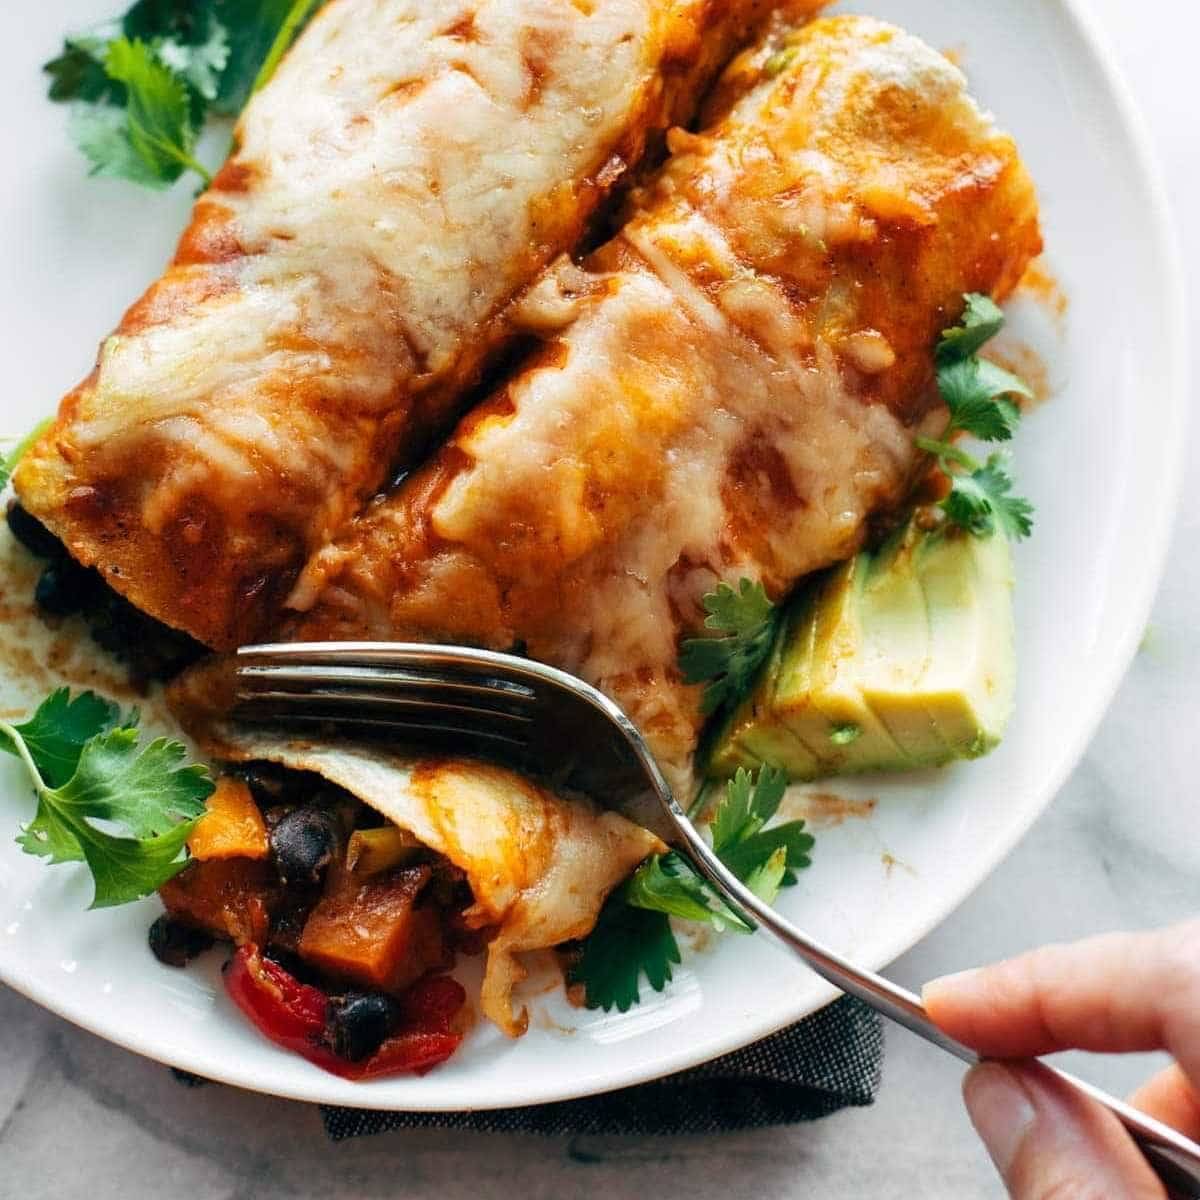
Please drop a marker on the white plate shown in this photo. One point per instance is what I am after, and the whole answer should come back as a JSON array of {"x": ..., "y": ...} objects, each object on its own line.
[{"x": 1101, "y": 461}]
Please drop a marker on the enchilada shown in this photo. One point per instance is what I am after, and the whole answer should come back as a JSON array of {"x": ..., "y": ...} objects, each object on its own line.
[
  {"x": 728, "y": 391},
  {"x": 536, "y": 866},
  {"x": 412, "y": 165}
]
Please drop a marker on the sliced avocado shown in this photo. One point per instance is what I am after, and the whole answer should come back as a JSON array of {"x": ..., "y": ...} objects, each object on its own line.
[
  {"x": 757, "y": 733},
  {"x": 899, "y": 658},
  {"x": 826, "y": 707},
  {"x": 968, "y": 687},
  {"x": 806, "y": 714},
  {"x": 896, "y": 647}
]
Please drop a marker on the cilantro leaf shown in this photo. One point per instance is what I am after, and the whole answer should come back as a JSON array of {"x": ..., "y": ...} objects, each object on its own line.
[
  {"x": 49, "y": 837},
  {"x": 128, "y": 869},
  {"x": 200, "y": 64},
  {"x": 737, "y": 611},
  {"x": 188, "y": 22},
  {"x": 976, "y": 393},
  {"x": 102, "y": 136},
  {"x": 78, "y": 72},
  {"x": 147, "y": 790},
  {"x": 728, "y": 664},
  {"x": 981, "y": 502},
  {"x": 618, "y": 950},
  {"x": 57, "y": 732},
  {"x": 766, "y": 880},
  {"x": 146, "y": 82},
  {"x": 87, "y": 766},
  {"x": 748, "y": 805},
  {"x": 187, "y": 37},
  {"x": 75, "y": 74},
  {"x": 158, "y": 118},
  {"x": 626, "y": 943},
  {"x": 750, "y": 855},
  {"x": 181, "y": 20},
  {"x": 982, "y": 319},
  {"x": 150, "y": 140},
  {"x": 668, "y": 883},
  {"x": 996, "y": 382},
  {"x": 741, "y": 840},
  {"x": 259, "y": 31}
]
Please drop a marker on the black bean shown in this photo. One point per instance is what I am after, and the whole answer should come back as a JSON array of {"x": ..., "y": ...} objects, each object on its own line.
[
  {"x": 151, "y": 650},
  {"x": 304, "y": 843},
  {"x": 32, "y": 534},
  {"x": 292, "y": 963},
  {"x": 176, "y": 944},
  {"x": 64, "y": 587},
  {"x": 265, "y": 781},
  {"x": 357, "y": 1023}
]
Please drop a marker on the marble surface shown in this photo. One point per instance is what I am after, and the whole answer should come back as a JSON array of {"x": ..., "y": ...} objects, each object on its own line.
[{"x": 1118, "y": 848}]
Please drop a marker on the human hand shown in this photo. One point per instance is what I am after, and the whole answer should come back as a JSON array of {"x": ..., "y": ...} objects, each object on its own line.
[{"x": 1116, "y": 993}]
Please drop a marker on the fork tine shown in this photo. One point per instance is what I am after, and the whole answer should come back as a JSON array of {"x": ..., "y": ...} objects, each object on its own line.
[
  {"x": 389, "y": 678},
  {"x": 343, "y": 699},
  {"x": 414, "y": 655},
  {"x": 253, "y": 711}
]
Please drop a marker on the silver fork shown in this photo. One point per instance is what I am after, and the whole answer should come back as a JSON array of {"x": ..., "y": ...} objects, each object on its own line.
[{"x": 533, "y": 715}]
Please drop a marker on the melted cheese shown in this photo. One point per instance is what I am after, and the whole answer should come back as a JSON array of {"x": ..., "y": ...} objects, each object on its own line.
[
  {"x": 707, "y": 414},
  {"x": 410, "y": 168}
]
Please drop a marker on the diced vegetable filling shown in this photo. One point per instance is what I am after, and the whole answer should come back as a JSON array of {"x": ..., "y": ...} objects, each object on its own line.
[{"x": 342, "y": 922}]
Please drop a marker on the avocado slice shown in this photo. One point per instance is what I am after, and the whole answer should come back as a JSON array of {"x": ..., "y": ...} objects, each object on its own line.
[
  {"x": 806, "y": 713},
  {"x": 826, "y": 707},
  {"x": 756, "y": 733},
  {"x": 896, "y": 647},
  {"x": 900, "y": 658},
  {"x": 969, "y": 684}
]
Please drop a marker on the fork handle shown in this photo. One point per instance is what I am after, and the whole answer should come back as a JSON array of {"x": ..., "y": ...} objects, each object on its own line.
[{"x": 1174, "y": 1158}]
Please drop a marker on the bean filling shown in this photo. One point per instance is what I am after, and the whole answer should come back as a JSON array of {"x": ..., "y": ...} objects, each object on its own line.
[
  {"x": 343, "y": 901},
  {"x": 150, "y": 649}
]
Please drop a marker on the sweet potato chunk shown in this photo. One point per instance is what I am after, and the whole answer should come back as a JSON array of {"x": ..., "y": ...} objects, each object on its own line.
[
  {"x": 232, "y": 827},
  {"x": 371, "y": 932},
  {"x": 231, "y": 898}
]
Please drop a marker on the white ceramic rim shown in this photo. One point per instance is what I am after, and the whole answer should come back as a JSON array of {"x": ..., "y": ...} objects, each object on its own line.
[{"x": 1161, "y": 245}]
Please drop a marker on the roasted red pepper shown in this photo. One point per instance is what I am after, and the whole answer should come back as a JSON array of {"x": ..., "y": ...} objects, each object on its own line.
[
  {"x": 425, "y": 1037},
  {"x": 292, "y": 1014}
]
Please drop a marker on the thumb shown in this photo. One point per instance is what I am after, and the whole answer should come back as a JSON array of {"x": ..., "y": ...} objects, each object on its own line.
[{"x": 1047, "y": 1141}]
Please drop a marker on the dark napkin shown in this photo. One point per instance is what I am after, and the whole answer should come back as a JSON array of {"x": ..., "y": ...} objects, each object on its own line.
[{"x": 829, "y": 1061}]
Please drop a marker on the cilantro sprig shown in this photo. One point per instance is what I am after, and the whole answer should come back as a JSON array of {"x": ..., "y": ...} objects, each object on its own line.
[
  {"x": 143, "y": 84},
  {"x": 150, "y": 140},
  {"x": 747, "y": 621},
  {"x": 980, "y": 498},
  {"x": 633, "y": 935},
  {"x": 979, "y": 396},
  {"x": 86, "y": 765}
]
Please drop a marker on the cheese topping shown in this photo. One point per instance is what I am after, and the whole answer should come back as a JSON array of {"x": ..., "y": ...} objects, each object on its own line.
[
  {"x": 408, "y": 171},
  {"x": 735, "y": 397}
]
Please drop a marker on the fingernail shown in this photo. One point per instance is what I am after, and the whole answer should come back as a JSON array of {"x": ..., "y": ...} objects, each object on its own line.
[
  {"x": 961, "y": 980},
  {"x": 1000, "y": 1110}
]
